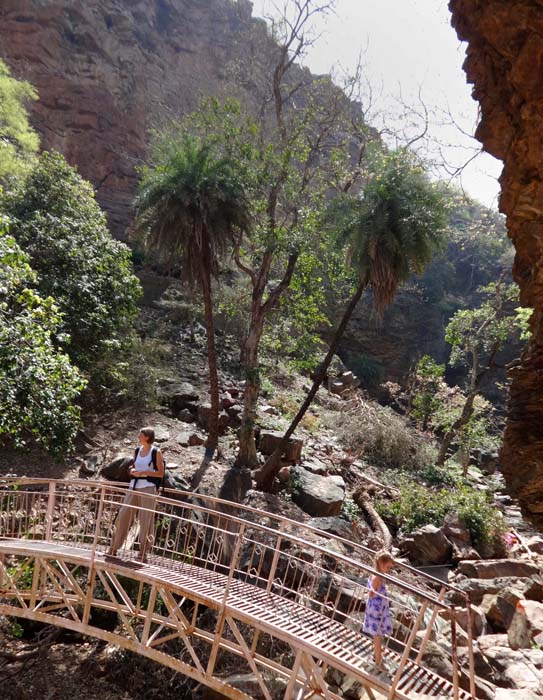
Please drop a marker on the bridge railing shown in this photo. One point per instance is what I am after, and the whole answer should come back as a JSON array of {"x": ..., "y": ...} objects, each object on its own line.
[{"x": 324, "y": 576}]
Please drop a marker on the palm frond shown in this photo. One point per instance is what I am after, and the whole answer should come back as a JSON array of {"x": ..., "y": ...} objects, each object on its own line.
[
  {"x": 190, "y": 204},
  {"x": 392, "y": 229}
]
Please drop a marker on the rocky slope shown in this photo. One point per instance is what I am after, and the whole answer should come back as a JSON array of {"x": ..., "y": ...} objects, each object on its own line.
[
  {"x": 108, "y": 71},
  {"x": 505, "y": 63}
]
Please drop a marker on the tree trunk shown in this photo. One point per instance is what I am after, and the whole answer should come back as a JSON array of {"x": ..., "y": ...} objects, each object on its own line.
[
  {"x": 213, "y": 425},
  {"x": 459, "y": 423},
  {"x": 377, "y": 524},
  {"x": 267, "y": 474},
  {"x": 247, "y": 456}
]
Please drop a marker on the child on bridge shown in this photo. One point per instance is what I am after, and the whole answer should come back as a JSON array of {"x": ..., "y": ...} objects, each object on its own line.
[{"x": 377, "y": 619}]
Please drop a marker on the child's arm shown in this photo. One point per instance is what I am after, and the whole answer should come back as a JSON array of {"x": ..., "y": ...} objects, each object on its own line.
[{"x": 375, "y": 583}]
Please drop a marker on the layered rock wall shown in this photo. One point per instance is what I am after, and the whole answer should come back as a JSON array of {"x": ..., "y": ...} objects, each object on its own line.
[
  {"x": 504, "y": 62},
  {"x": 109, "y": 70}
]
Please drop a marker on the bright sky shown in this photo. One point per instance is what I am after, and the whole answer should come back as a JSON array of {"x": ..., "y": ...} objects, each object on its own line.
[{"x": 408, "y": 43}]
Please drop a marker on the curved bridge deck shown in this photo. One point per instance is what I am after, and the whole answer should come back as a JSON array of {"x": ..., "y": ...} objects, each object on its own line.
[{"x": 285, "y": 600}]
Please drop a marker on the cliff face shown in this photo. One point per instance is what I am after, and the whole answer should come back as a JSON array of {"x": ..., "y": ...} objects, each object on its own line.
[
  {"x": 108, "y": 70},
  {"x": 505, "y": 65}
]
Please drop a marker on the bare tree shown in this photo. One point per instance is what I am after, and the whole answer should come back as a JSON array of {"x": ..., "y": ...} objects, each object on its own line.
[{"x": 303, "y": 120}]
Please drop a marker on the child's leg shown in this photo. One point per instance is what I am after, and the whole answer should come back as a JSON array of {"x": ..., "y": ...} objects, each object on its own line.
[{"x": 377, "y": 652}]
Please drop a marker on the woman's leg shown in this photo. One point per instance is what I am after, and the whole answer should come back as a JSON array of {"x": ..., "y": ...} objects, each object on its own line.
[
  {"x": 147, "y": 519},
  {"x": 124, "y": 520}
]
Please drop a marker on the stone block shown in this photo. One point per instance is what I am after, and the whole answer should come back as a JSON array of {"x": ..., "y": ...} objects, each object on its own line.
[
  {"x": 426, "y": 546},
  {"x": 497, "y": 568},
  {"x": 320, "y": 496},
  {"x": 270, "y": 440}
]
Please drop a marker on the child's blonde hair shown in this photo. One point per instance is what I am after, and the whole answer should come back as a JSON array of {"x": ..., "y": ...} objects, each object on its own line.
[{"x": 382, "y": 557}]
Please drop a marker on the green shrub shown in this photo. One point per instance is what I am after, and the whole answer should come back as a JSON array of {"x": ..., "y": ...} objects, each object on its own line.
[
  {"x": 129, "y": 374},
  {"x": 432, "y": 475},
  {"x": 18, "y": 140},
  {"x": 419, "y": 505},
  {"x": 55, "y": 218},
  {"x": 39, "y": 384}
]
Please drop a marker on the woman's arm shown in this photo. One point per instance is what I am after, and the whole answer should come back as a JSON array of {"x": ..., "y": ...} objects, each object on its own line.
[
  {"x": 375, "y": 583},
  {"x": 159, "y": 464}
]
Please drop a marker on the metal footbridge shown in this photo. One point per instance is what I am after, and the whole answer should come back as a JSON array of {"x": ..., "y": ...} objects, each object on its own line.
[{"x": 226, "y": 586}]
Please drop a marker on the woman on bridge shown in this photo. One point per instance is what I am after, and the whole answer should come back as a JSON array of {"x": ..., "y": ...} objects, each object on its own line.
[{"x": 147, "y": 472}]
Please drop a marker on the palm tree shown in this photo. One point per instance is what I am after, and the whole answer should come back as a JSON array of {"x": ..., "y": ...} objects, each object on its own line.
[
  {"x": 191, "y": 204},
  {"x": 390, "y": 232}
]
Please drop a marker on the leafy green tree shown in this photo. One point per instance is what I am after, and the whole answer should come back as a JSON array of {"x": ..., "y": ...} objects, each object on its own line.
[
  {"x": 425, "y": 389},
  {"x": 476, "y": 250},
  {"x": 18, "y": 141},
  {"x": 192, "y": 202},
  {"x": 476, "y": 336},
  {"x": 291, "y": 159},
  {"x": 390, "y": 232},
  {"x": 39, "y": 384},
  {"x": 524, "y": 316},
  {"x": 55, "y": 218},
  {"x": 478, "y": 431}
]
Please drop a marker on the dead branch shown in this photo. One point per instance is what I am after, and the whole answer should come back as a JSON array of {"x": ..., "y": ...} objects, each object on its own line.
[{"x": 378, "y": 525}]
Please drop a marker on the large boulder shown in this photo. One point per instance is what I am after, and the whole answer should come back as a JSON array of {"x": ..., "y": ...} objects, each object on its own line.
[
  {"x": 177, "y": 395},
  {"x": 427, "y": 545},
  {"x": 478, "y": 620},
  {"x": 527, "y": 625},
  {"x": 204, "y": 414},
  {"x": 535, "y": 544},
  {"x": 457, "y": 533},
  {"x": 518, "y": 669},
  {"x": 478, "y": 588},
  {"x": 340, "y": 527},
  {"x": 511, "y": 694},
  {"x": 173, "y": 481},
  {"x": 117, "y": 470},
  {"x": 270, "y": 441},
  {"x": 437, "y": 659},
  {"x": 496, "y": 568},
  {"x": 499, "y": 608},
  {"x": 162, "y": 433},
  {"x": 320, "y": 496}
]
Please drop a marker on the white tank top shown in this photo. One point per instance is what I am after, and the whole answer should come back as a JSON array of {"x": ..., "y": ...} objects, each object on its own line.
[{"x": 142, "y": 464}]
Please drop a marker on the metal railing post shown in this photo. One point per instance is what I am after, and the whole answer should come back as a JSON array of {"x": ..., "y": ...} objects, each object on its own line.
[
  {"x": 97, "y": 524},
  {"x": 407, "y": 650},
  {"x": 428, "y": 633},
  {"x": 454, "y": 653},
  {"x": 471, "y": 659},
  {"x": 222, "y": 613},
  {"x": 275, "y": 559},
  {"x": 50, "y": 510}
]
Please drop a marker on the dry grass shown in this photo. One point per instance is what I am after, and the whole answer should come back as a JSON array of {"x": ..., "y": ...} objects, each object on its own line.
[{"x": 380, "y": 435}]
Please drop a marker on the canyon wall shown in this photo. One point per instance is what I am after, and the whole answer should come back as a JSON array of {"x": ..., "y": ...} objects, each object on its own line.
[
  {"x": 504, "y": 62},
  {"x": 107, "y": 71}
]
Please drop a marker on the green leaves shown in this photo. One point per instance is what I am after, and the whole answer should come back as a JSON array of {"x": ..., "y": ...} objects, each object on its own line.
[
  {"x": 419, "y": 505},
  {"x": 392, "y": 229},
  {"x": 55, "y": 218},
  {"x": 192, "y": 202},
  {"x": 428, "y": 381},
  {"x": 18, "y": 141},
  {"x": 39, "y": 384},
  {"x": 476, "y": 335}
]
